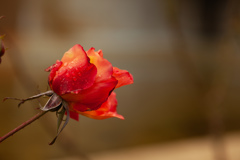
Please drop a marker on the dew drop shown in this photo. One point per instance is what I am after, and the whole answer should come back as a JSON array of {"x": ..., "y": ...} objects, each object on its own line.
[
  {"x": 73, "y": 73},
  {"x": 74, "y": 78},
  {"x": 67, "y": 74},
  {"x": 76, "y": 92}
]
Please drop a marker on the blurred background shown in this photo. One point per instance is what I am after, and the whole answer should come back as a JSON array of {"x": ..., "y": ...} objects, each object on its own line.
[{"x": 184, "y": 57}]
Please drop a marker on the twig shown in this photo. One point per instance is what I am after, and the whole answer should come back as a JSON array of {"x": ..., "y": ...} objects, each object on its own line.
[{"x": 38, "y": 115}]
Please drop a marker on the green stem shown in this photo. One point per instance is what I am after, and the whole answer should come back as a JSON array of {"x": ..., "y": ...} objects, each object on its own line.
[{"x": 38, "y": 115}]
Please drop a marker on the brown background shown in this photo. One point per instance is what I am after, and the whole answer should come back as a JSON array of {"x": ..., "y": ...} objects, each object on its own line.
[{"x": 184, "y": 57}]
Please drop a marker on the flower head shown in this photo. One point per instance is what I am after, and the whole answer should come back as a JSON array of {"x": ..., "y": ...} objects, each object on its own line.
[{"x": 85, "y": 81}]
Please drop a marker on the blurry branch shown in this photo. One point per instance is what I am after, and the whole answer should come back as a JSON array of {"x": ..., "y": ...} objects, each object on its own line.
[
  {"x": 38, "y": 115},
  {"x": 179, "y": 44},
  {"x": 212, "y": 89}
]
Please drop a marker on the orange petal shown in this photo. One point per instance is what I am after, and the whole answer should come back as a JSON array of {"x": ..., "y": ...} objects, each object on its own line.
[
  {"x": 107, "y": 109},
  {"x": 104, "y": 67},
  {"x": 123, "y": 77},
  {"x": 74, "y": 52}
]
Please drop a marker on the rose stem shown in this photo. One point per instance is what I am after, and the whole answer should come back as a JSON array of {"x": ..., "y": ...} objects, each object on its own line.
[{"x": 38, "y": 115}]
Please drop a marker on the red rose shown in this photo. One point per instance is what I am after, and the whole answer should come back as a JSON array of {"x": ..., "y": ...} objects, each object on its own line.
[{"x": 85, "y": 81}]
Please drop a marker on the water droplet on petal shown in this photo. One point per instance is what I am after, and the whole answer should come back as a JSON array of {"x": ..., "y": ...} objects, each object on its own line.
[
  {"x": 73, "y": 73},
  {"x": 76, "y": 92},
  {"x": 74, "y": 78},
  {"x": 67, "y": 74}
]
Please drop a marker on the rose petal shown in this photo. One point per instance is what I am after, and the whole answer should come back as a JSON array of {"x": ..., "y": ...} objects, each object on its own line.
[
  {"x": 123, "y": 77},
  {"x": 107, "y": 109},
  {"x": 91, "y": 98},
  {"x": 54, "y": 68},
  {"x": 76, "y": 51},
  {"x": 104, "y": 67},
  {"x": 85, "y": 81},
  {"x": 100, "y": 53},
  {"x": 73, "y": 79},
  {"x": 76, "y": 73},
  {"x": 74, "y": 115}
]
